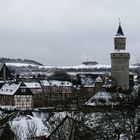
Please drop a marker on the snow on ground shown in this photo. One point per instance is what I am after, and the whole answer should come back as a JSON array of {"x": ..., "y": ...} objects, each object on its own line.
[
  {"x": 78, "y": 66},
  {"x": 20, "y": 64},
  {"x": 98, "y": 66},
  {"x": 82, "y": 66},
  {"x": 7, "y": 107}
]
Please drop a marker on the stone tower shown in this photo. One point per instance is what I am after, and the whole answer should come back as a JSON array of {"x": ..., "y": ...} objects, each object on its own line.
[{"x": 120, "y": 61}]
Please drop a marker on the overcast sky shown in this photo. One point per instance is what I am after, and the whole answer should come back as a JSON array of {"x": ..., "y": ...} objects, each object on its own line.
[{"x": 67, "y": 32}]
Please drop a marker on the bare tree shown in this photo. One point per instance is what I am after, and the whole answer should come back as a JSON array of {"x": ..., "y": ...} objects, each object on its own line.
[{"x": 31, "y": 130}]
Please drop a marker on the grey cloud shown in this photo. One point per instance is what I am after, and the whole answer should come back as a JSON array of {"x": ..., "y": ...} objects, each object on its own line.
[{"x": 65, "y": 32}]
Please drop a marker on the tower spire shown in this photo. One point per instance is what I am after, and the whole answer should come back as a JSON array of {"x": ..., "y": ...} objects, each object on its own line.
[
  {"x": 120, "y": 31},
  {"x": 119, "y": 21}
]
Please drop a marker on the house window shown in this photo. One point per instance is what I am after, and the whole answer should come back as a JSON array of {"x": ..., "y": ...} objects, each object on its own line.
[{"x": 23, "y": 90}]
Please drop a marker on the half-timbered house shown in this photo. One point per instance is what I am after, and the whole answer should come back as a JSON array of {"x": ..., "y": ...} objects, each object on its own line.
[{"x": 16, "y": 95}]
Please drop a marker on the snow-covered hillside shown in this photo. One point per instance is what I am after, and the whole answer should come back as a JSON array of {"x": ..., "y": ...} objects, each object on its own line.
[
  {"x": 98, "y": 66},
  {"x": 21, "y": 64}
]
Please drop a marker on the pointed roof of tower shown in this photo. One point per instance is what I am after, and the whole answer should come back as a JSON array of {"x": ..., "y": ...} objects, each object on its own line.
[{"x": 120, "y": 31}]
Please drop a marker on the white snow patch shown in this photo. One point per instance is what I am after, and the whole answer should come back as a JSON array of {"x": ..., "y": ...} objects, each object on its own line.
[
  {"x": 55, "y": 83},
  {"x": 93, "y": 101},
  {"x": 21, "y": 64},
  {"x": 9, "y": 88},
  {"x": 26, "y": 126},
  {"x": 32, "y": 84}
]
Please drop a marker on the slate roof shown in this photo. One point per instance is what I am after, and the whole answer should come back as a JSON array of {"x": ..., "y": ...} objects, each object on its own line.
[
  {"x": 8, "y": 74},
  {"x": 19, "y": 91},
  {"x": 120, "y": 31}
]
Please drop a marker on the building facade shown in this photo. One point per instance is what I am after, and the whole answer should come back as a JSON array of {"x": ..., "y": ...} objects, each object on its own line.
[
  {"x": 16, "y": 95},
  {"x": 120, "y": 61}
]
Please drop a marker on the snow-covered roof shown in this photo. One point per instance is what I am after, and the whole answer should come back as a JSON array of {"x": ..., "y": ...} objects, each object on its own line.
[
  {"x": 87, "y": 80},
  {"x": 32, "y": 84},
  {"x": 98, "y": 80},
  {"x": 55, "y": 83},
  {"x": 93, "y": 101},
  {"x": 60, "y": 83},
  {"x": 102, "y": 94},
  {"x": 45, "y": 82},
  {"x": 9, "y": 88}
]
